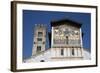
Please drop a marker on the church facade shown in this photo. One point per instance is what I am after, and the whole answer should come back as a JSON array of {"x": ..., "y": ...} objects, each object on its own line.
[{"x": 65, "y": 39}]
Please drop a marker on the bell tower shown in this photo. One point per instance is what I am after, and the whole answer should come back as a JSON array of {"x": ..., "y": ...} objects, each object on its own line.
[{"x": 39, "y": 39}]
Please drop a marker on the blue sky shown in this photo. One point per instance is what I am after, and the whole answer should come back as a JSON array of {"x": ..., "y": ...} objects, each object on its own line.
[{"x": 31, "y": 17}]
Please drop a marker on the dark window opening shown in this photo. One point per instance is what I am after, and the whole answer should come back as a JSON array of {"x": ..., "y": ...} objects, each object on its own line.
[
  {"x": 62, "y": 51},
  {"x": 66, "y": 39},
  {"x": 43, "y": 42},
  {"x": 38, "y": 48},
  {"x": 34, "y": 42},
  {"x": 40, "y": 34},
  {"x": 39, "y": 39},
  {"x": 73, "y": 52}
]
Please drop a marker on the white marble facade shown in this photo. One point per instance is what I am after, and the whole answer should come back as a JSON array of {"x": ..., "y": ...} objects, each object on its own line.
[{"x": 66, "y": 42}]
